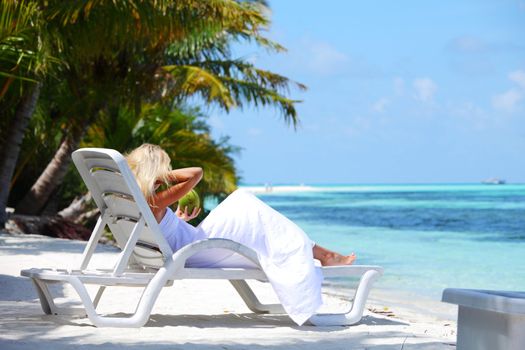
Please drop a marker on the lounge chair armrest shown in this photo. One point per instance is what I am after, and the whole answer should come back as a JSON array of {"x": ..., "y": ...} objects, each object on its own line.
[
  {"x": 350, "y": 270},
  {"x": 215, "y": 243}
]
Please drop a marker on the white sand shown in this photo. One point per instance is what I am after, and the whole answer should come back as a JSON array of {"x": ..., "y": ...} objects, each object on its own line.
[
  {"x": 278, "y": 189},
  {"x": 195, "y": 314}
]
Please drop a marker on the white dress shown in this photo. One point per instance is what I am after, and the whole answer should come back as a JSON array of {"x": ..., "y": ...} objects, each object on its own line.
[{"x": 283, "y": 249}]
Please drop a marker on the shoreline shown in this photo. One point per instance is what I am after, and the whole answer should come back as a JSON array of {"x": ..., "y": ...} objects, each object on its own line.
[
  {"x": 269, "y": 188},
  {"x": 210, "y": 315},
  {"x": 278, "y": 189}
]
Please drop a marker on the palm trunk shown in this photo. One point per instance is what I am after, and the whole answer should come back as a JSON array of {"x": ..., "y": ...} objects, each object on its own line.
[
  {"x": 35, "y": 200},
  {"x": 11, "y": 148},
  {"x": 77, "y": 207}
]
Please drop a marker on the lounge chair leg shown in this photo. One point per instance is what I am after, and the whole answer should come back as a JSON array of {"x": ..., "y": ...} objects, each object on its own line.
[
  {"x": 251, "y": 300},
  {"x": 355, "y": 313},
  {"x": 46, "y": 299},
  {"x": 98, "y": 296},
  {"x": 144, "y": 307}
]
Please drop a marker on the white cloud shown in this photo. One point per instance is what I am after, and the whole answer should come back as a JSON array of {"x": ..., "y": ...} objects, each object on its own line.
[
  {"x": 254, "y": 131},
  {"x": 311, "y": 126},
  {"x": 473, "y": 115},
  {"x": 472, "y": 45},
  {"x": 327, "y": 59},
  {"x": 326, "y": 54},
  {"x": 323, "y": 57},
  {"x": 425, "y": 89},
  {"x": 518, "y": 77},
  {"x": 467, "y": 44},
  {"x": 468, "y": 110},
  {"x": 357, "y": 126},
  {"x": 508, "y": 100},
  {"x": 380, "y": 105},
  {"x": 399, "y": 86}
]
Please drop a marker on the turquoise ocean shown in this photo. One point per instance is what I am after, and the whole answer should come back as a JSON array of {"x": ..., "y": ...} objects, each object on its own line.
[{"x": 427, "y": 237}]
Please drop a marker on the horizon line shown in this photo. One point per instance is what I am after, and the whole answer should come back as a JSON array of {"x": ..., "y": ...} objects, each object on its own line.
[{"x": 373, "y": 183}]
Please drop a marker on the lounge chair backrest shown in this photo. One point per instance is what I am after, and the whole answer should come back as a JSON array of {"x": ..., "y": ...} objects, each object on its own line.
[{"x": 122, "y": 205}]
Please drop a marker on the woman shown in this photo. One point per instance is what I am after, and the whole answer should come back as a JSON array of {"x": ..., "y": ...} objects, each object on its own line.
[{"x": 285, "y": 253}]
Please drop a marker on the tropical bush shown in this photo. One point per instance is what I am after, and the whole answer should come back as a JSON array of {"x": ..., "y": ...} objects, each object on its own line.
[{"x": 119, "y": 73}]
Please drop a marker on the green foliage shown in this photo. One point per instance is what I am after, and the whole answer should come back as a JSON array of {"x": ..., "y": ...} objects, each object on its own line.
[
  {"x": 18, "y": 39},
  {"x": 182, "y": 131},
  {"x": 143, "y": 41},
  {"x": 24, "y": 46},
  {"x": 25, "y": 59},
  {"x": 122, "y": 65},
  {"x": 22, "y": 55}
]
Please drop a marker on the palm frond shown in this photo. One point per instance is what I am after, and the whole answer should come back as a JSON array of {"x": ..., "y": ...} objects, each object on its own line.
[
  {"x": 18, "y": 40},
  {"x": 191, "y": 79}
]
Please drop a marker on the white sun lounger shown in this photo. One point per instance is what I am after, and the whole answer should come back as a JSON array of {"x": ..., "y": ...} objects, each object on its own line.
[
  {"x": 147, "y": 260},
  {"x": 488, "y": 319}
]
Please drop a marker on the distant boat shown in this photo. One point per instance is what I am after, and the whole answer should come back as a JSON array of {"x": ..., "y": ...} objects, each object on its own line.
[{"x": 494, "y": 181}]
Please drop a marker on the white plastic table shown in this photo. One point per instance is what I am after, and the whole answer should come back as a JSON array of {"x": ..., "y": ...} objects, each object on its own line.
[{"x": 487, "y": 319}]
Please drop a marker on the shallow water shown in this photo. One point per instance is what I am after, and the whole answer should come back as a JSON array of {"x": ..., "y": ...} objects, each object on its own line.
[{"x": 427, "y": 237}]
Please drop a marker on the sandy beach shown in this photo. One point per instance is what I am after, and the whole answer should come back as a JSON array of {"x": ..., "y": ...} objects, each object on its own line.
[
  {"x": 196, "y": 314},
  {"x": 278, "y": 188}
]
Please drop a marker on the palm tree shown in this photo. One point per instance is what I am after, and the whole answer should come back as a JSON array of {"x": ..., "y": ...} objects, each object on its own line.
[
  {"x": 19, "y": 51},
  {"x": 157, "y": 51},
  {"x": 23, "y": 59}
]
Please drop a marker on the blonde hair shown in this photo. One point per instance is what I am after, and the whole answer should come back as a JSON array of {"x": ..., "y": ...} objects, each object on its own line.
[{"x": 149, "y": 163}]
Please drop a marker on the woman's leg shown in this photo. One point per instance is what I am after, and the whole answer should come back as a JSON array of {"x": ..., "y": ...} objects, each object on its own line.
[
  {"x": 330, "y": 258},
  {"x": 244, "y": 218}
]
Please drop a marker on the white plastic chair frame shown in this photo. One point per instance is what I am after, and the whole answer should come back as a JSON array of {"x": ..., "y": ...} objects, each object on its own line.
[{"x": 174, "y": 266}]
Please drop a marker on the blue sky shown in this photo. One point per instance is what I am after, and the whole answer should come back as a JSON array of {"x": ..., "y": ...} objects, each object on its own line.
[{"x": 398, "y": 92}]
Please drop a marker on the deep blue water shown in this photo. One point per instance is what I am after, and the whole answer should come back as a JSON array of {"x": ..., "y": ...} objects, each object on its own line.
[{"x": 428, "y": 237}]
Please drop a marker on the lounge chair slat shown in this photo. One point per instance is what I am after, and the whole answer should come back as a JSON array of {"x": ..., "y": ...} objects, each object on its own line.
[
  {"x": 111, "y": 182},
  {"x": 122, "y": 207},
  {"x": 101, "y": 163}
]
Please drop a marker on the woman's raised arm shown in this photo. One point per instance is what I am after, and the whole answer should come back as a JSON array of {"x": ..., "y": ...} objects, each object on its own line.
[{"x": 183, "y": 181}]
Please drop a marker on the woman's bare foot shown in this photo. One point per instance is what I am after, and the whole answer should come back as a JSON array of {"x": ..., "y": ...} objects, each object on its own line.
[
  {"x": 330, "y": 258},
  {"x": 334, "y": 259}
]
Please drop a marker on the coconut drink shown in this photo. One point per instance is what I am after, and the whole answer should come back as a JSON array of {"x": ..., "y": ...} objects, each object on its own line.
[{"x": 190, "y": 201}]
